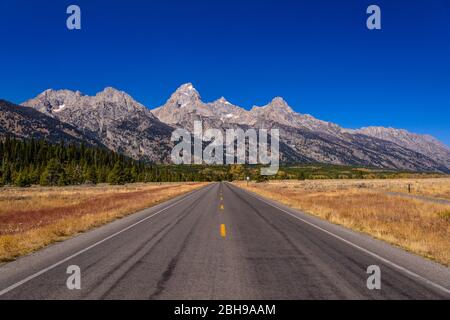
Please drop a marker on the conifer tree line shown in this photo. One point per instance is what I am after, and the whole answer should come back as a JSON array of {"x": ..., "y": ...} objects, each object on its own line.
[{"x": 37, "y": 162}]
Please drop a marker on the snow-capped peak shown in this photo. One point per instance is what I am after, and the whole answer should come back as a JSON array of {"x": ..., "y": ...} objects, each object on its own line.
[{"x": 187, "y": 89}]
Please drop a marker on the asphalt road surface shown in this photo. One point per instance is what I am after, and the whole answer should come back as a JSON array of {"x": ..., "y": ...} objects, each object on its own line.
[{"x": 221, "y": 242}]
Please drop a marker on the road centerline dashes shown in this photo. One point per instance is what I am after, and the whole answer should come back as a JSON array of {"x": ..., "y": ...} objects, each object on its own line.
[{"x": 223, "y": 230}]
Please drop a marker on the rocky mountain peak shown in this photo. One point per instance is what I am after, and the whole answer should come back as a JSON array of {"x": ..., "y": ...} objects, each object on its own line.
[
  {"x": 276, "y": 111},
  {"x": 279, "y": 104},
  {"x": 185, "y": 95},
  {"x": 110, "y": 91},
  {"x": 60, "y": 93},
  {"x": 53, "y": 101},
  {"x": 185, "y": 100},
  {"x": 118, "y": 100},
  {"x": 278, "y": 100},
  {"x": 222, "y": 100},
  {"x": 112, "y": 94}
]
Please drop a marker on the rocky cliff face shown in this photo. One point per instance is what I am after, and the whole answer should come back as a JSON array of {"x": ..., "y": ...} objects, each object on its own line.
[
  {"x": 424, "y": 144},
  {"x": 24, "y": 123},
  {"x": 113, "y": 117}
]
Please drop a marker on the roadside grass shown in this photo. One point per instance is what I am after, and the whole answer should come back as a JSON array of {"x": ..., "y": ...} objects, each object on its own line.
[
  {"x": 417, "y": 225},
  {"x": 435, "y": 188},
  {"x": 32, "y": 218}
]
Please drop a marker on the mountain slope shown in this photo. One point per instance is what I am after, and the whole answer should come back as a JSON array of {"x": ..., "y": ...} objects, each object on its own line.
[
  {"x": 424, "y": 144},
  {"x": 19, "y": 122},
  {"x": 116, "y": 119}
]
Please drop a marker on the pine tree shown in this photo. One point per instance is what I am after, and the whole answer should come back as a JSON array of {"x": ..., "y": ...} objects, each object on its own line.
[
  {"x": 21, "y": 179},
  {"x": 51, "y": 174},
  {"x": 7, "y": 175},
  {"x": 62, "y": 180},
  {"x": 133, "y": 174},
  {"x": 116, "y": 174},
  {"x": 91, "y": 175},
  {"x": 102, "y": 174},
  {"x": 77, "y": 174}
]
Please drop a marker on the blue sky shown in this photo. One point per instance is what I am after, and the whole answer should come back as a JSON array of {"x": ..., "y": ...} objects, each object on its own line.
[{"x": 317, "y": 54}]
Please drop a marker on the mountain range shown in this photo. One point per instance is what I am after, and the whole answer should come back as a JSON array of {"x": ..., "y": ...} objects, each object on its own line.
[{"x": 115, "y": 120}]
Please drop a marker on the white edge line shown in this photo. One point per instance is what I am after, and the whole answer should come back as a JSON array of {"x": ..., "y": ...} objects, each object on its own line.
[
  {"x": 393, "y": 264},
  {"x": 37, "y": 274}
]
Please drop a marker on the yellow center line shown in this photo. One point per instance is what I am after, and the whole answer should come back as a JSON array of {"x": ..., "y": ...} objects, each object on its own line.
[{"x": 223, "y": 231}]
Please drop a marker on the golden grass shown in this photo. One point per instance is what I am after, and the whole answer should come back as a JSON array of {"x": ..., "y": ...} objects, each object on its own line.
[
  {"x": 33, "y": 218},
  {"x": 420, "y": 226}
]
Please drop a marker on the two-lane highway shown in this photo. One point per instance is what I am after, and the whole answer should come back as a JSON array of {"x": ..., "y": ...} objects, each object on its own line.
[{"x": 222, "y": 242}]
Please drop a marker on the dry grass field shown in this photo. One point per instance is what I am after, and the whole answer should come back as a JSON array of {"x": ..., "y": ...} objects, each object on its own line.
[
  {"x": 380, "y": 208},
  {"x": 32, "y": 218}
]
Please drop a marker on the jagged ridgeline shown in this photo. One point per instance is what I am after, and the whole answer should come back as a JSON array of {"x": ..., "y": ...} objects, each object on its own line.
[{"x": 27, "y": 162}]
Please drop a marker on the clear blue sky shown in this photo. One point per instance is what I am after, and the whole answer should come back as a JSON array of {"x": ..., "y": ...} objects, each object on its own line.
[{"x": 317, "y": 54}]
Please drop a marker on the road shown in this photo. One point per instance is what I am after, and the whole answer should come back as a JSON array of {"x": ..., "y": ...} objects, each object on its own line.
[{"x": 221, "y": 242}]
